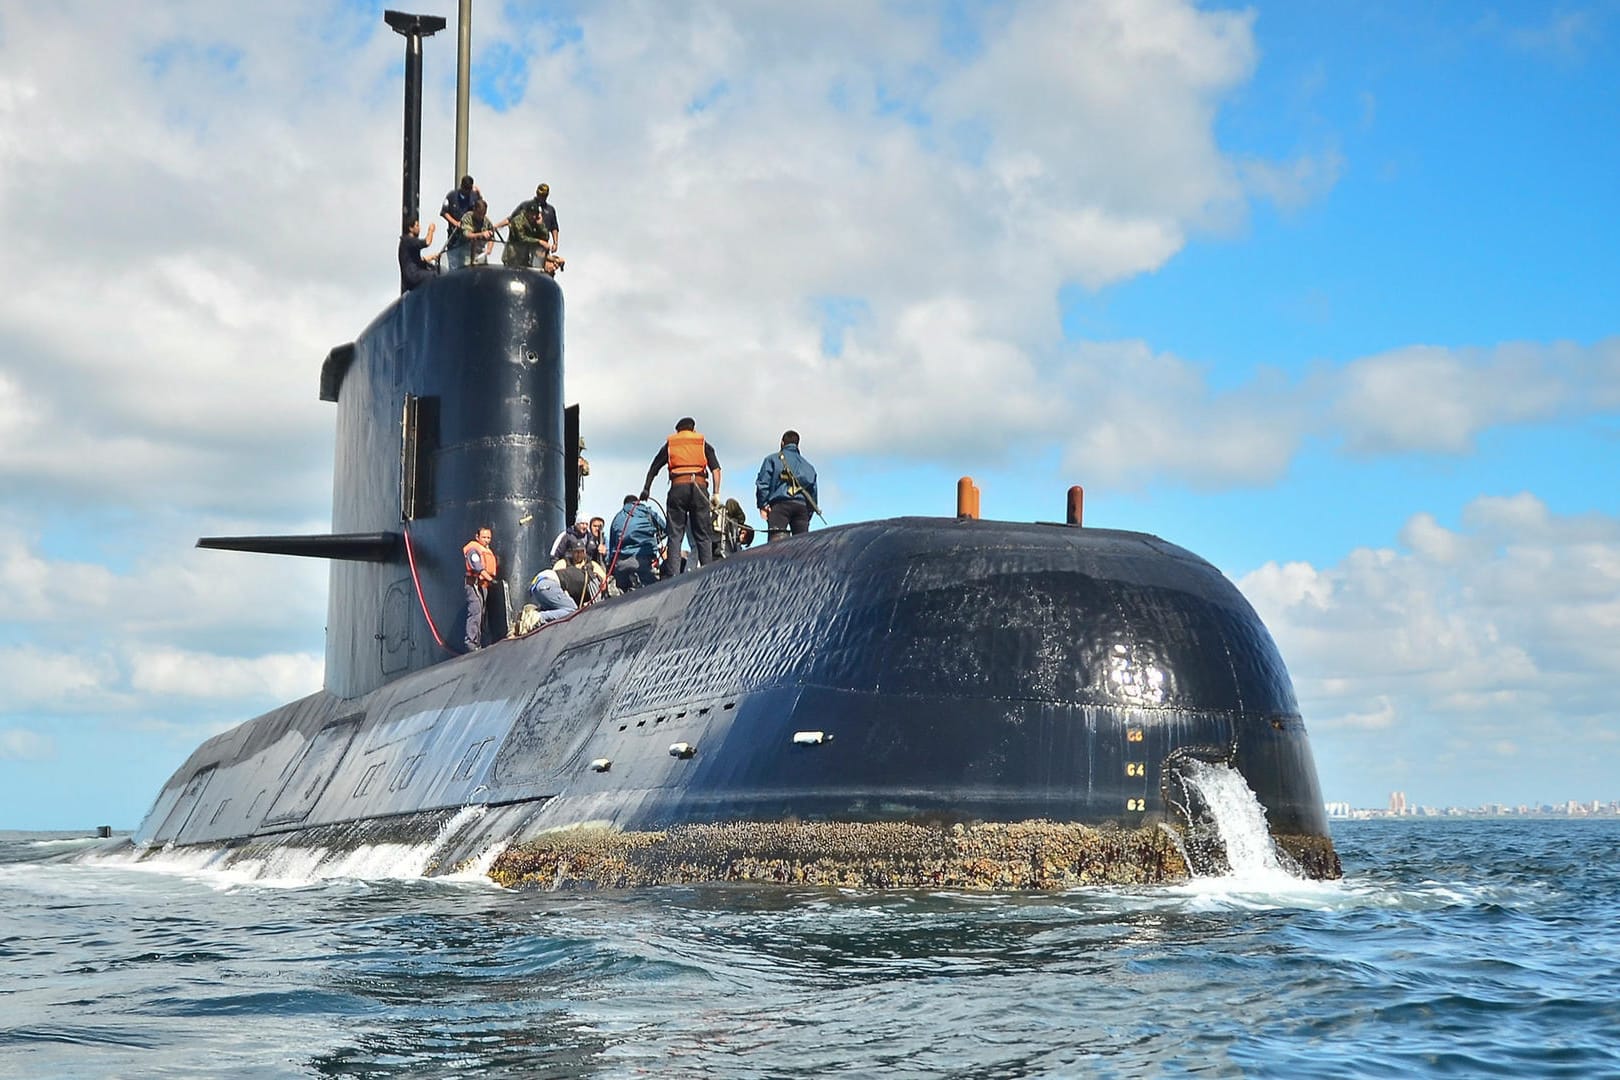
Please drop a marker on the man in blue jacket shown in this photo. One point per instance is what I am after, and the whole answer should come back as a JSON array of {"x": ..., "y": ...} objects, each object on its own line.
[
  {"x": 639, "y": 526},
  {"x": 785, "y": 490}
]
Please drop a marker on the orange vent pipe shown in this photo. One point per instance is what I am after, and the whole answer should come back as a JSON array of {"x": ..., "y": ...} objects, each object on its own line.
[
  {"x": 1077, "y": 505},
  {"x": 967, "y": 498}
]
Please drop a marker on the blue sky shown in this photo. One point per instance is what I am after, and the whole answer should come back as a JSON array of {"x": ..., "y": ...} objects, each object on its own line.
[{"x": 1324, "y": 292}]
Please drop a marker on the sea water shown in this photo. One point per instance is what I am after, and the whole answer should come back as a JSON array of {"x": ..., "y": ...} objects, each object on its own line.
[{"x": 1451, "y": 948}]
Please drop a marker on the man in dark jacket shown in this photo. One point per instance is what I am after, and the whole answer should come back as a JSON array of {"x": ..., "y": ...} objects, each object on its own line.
[
  {"x": 785, "y": 490},
  {"x": 414, "y": 271},
  {"x": 634, "y": 537},
  {"x": 457, "y": 204}
]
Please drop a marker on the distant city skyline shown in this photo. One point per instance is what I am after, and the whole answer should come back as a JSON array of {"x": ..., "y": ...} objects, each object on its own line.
[{"x": 1399, "y": 806}]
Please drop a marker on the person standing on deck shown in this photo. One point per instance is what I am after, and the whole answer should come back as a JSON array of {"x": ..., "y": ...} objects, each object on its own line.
[
  {"x": 785, "y": 490},
  {"x": 691, "y": 461},
  {"x": 479, "y": 560}
]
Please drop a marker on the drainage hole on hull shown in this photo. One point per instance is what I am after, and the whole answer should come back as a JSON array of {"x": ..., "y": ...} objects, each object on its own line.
[
  {"x": 641, "y": 723},
  {"x": 731, "y": 705},
  {"x": 623, "y": 726}
]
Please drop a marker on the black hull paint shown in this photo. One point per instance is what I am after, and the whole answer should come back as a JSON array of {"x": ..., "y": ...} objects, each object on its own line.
[{"x": 959, "y": 671}]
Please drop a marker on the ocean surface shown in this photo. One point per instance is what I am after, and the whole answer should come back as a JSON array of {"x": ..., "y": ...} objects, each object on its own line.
[{"x": 1451, "y": 948}]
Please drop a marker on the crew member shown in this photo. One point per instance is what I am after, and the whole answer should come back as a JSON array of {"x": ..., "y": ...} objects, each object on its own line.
[
  {"x": 785, "y": 490},
  {"x": 413, "y": 269},
  {"x": 691, "y": 461},
  {"x": 633, "y": 543},
  {"x": 732, "y": 532},
  {"x": 479, "y": 560},
  {"x": 581, "y": 578},
  {"x": 551, "y": 600},
  {"x": 596, "y": 545},
  {"x": 478, "y": 231},
  {"x": 580, "y": 531},
  {"x": 548, "y": 216},
  {"x": 457, "y": 203},
  {"x": 528, "y": 243}
]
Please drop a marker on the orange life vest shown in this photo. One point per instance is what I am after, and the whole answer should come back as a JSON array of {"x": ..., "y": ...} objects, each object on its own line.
[
  {"x": 485, "y": 571},
  {"x": 688, "y": 459}
]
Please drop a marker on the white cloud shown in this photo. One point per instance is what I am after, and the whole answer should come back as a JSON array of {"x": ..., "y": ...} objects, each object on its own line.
[
  {"x": 1433, "y": 399},
  {"x": 1563, "y": 35},
  {"x": 1139, "y": 415},
  {"x": 1296, "y": 183},
  {"x": 1432, "y": 541},
  {"x": 19, "y": 744},
  {"x": 276, "y": 678},
  {"x": 32, "y": 677},
  {"x": 1379, "y": 717},
  {"x": 836, "y": 152},
  {"x": 176, "y": 633},
  {"x": 1419, "y": 648}
]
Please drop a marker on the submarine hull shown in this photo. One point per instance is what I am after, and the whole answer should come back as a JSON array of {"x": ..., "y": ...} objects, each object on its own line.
[
  {"x": 920, "y": 671},
  {"x": 916, "y": 673}
]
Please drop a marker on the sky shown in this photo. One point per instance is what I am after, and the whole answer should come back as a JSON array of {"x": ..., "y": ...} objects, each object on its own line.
[{"x": 1324, "y": 292}]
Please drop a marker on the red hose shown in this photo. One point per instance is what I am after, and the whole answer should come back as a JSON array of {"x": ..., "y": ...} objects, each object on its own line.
[{"x": 410, "y": 554}]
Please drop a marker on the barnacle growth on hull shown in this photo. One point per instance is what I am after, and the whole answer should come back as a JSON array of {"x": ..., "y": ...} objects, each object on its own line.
[
  {"x": 1020, "y": 855},
  {"x": 1027, "y": 855}
]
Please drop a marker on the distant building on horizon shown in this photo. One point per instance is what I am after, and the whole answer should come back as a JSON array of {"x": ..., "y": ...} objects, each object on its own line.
[{"x": 1397, "y": 802}]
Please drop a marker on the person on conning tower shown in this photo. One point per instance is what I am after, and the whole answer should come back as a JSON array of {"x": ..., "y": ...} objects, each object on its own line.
[
  {"x": 457, "y": 203},
  {"x": 415, "y": 271}
]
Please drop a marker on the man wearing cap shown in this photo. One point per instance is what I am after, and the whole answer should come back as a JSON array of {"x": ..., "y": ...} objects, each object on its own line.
[
  {"x": 457, "y": 203},
  {"x": 548, "y": 215},
  {"x": 582, "y": 579},
  {"x": 528, "y": 242},
  {"x": 691, "y": 461}
]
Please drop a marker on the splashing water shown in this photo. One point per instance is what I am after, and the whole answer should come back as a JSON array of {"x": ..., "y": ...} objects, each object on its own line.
[
  {"x": 1237, "y": 816},
  {"x": 1227, "y": 837}
]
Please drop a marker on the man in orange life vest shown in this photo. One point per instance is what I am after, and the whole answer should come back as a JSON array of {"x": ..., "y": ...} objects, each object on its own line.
[
  {"x": 479, "y": 561},
  {"x": 690, "y": 460}
]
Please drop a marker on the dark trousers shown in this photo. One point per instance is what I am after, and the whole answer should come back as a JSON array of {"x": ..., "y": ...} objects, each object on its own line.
[
  {"x": 476, "y": 596},
  {"x": 629, "y": 573},
  {"x": 689, "y": 514},
  {"x": 788, "y": 514}
]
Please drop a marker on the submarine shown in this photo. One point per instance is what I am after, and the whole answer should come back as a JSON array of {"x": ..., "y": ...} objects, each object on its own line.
[{"x": 912, "y": 702}]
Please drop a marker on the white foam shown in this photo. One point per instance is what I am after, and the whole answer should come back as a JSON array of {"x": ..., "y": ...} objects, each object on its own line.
[{"x": 291, "y": 867}]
